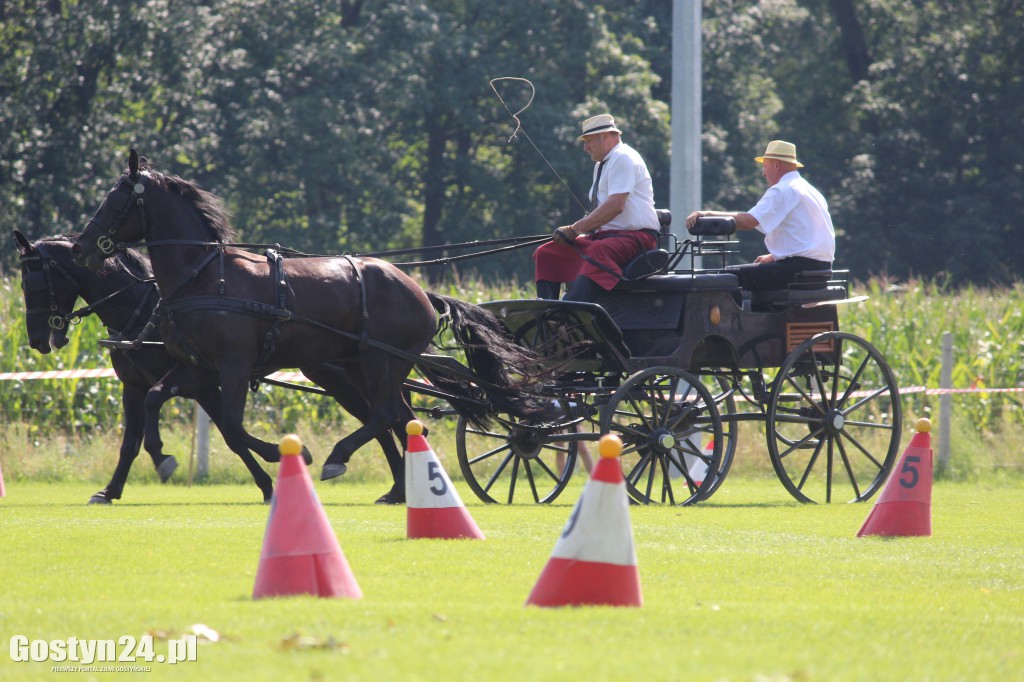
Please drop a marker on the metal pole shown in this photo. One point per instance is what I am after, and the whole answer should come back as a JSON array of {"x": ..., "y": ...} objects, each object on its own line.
[
  {"x": 685, "y": 181},
  {"x": 945, "y": 400}
]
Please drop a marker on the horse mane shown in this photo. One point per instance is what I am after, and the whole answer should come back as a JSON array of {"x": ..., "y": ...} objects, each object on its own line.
[{"x": 209, "y": 205}]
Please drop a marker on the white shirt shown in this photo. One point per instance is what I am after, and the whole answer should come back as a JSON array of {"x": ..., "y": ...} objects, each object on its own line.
[
  {"x": 625, "y": 171},
  {"x": 795, "y": 221}
]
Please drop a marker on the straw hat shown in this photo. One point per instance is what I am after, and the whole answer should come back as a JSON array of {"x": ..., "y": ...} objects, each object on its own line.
[
  {"x": 783, "y": 151},
  {"x": 602, "y": 123}
]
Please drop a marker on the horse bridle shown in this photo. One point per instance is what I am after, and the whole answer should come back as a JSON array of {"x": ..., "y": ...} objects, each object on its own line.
[
  {"x": 108, "y": 243},
  {"x": 42, "y": 278}
]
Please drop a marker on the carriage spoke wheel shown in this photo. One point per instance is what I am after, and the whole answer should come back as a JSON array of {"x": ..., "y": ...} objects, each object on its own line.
[
  {"x": 833, "y": 427},
  {"x": 665, "y": 416},
  {"x": 514, "y": 461},
  {"x": 722, "y": 390},
  {"x": 555, "y": 335}
]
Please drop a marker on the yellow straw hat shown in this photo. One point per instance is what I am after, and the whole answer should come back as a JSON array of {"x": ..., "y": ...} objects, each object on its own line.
[
  {"x": 602, "y": 123},
  {"x": 783, "y": 151}
]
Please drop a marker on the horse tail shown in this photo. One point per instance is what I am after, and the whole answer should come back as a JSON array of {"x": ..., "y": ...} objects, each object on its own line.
[{"x": 510, "y": 370}]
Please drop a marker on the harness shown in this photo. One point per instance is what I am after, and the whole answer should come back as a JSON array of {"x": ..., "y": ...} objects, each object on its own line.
[
  {"x": 278, "y": 310},
  {"x": 38, "y": 280}
]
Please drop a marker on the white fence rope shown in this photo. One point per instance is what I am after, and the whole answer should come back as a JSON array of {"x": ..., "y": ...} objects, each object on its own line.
[{"x": 202, "y": 420}]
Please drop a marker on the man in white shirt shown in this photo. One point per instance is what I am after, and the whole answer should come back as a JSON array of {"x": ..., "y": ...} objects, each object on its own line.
[
  {"x": 795, "y": 221},
  {"x": 622, "y": 223}
]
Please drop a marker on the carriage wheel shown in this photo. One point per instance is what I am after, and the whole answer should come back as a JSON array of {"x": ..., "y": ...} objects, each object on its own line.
[
  {"x": 833, "y": 426},
  {"x": 662, "y": 415},
  {"x": 514, "y": 460},
  {"x": 555, "y": 335},
  {"x": 722, "y": 390}
]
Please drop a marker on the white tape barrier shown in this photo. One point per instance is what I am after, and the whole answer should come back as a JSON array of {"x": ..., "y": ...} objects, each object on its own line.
[
  {"x": 297, "y": 376},
  {"x": 107, "y": 373}
]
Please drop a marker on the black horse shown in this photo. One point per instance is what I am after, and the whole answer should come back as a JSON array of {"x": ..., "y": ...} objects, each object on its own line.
[
  {"x": 123, "y": 296},
  {"x": 356, "y": 326}
]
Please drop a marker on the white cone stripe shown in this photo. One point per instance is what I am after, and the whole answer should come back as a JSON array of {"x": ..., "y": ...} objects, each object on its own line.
[
  {"x": 599, "y": 529},
  {"x": 695, "y": 466},
  {"x": 427, "y": 483}
]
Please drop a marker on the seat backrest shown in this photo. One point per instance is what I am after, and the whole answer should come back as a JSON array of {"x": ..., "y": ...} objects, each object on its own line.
[
  {"x": 664, "y": 219},
  {"x": 656, "y": 260},
  {"x": 713, "y": 226},
  {"x": 645, "y": 265}
]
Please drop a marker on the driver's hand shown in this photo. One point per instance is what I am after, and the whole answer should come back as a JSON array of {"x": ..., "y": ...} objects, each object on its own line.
[{"x": 566, "y": 234}]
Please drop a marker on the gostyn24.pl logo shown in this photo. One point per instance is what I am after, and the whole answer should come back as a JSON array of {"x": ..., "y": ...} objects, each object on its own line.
[{"x": 125, "y": 649}]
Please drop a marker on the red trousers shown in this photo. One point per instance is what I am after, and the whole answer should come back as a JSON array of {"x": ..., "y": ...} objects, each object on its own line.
[{"x": 556, "y": 261}]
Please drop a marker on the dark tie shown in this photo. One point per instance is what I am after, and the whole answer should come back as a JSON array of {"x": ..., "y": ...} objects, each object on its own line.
[{"x": 597, "y": 180}]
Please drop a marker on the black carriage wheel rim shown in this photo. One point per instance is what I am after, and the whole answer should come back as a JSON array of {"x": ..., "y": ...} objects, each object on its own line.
[
  {"x": 655, "y": 424},
  {"x": 833, "y": 432},
  {"x": 498, "y": 472}
]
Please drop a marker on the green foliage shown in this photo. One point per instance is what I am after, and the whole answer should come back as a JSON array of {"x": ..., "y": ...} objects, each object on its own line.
[
  {"x": 358, "y": 126},
  {"x": 906, "y": 322}
]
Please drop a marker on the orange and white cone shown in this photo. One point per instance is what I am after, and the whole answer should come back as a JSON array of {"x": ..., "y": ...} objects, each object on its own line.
[
  {"x": 300, "y": 552},
  {"x": 696, "y": 467},
  {"x": 594, "y": 561},
  {"x": 904, "y": 508},
  {"x": 433, "y": 506}
]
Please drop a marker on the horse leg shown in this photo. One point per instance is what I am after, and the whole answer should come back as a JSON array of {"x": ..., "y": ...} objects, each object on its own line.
[
  {"x": 386, "y": 410},
  {"x": 207, "y": 394},
  {"x": 233, "y": 389},
  {"x": 134, "y": 423},
  {"x": 189, "y": 382},
  {"x": 337, "y": 384}
]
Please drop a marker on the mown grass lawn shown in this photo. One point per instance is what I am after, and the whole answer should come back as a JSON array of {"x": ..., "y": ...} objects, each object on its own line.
[{"x": 748, "y": 586}]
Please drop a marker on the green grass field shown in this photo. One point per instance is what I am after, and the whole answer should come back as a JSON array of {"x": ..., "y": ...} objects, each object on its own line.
[{"x": 748, "y": 586}]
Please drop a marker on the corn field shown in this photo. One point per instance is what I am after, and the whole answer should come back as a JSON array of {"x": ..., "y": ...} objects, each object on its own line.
[{"x": 904, "y": 320}]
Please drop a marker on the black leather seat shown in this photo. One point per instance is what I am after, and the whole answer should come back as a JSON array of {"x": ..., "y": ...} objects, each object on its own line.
[
  {"x": 645, "y": 265},
  {"x": 810, "y": 285},
  {"x": 702, "y": 281},
  {"x": 655, "y": 260}
]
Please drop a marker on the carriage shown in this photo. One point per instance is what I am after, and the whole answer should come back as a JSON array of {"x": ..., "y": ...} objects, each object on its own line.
[{"x": 673, "y": 360}]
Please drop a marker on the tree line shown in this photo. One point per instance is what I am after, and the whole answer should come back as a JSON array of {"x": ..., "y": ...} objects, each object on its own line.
[{"x": 336, "y": 126}]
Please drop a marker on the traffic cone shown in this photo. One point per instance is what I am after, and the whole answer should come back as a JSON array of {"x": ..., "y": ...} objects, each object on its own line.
[
  {"x": 905, "y": 506},
  {"x": 300, "y": 553},
  {"x": 594, "y": 561},
  {"x": 696, "y": 467},
  {"x": 433, "y": 506}
]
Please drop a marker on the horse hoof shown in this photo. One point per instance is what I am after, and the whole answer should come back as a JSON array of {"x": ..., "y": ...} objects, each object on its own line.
[
  {"x": 391, "y": 498},
  {"x": 166, "y": 468},
  {"x": 332, "y": 471},
  {"x": 307, "y": 457},
  {"x": 99, "y": 498}
]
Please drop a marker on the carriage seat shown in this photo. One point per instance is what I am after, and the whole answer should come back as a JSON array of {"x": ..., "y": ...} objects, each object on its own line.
[
  {"x": 701, "y": 281},
  {"x": 810, "y": 286},
  {"x": 655, "y": 260}
]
